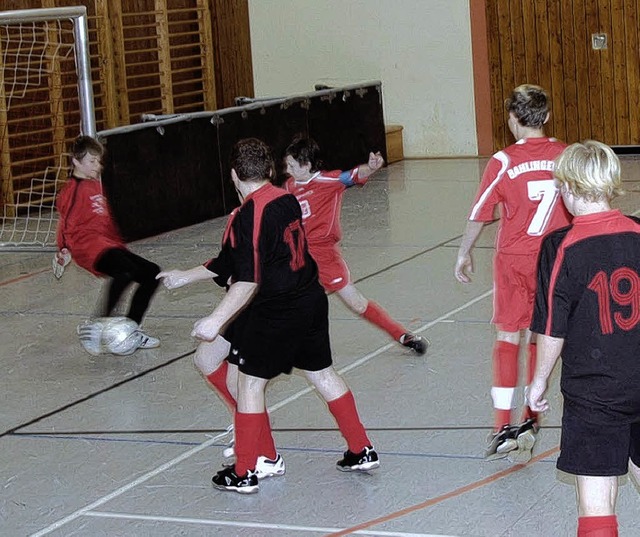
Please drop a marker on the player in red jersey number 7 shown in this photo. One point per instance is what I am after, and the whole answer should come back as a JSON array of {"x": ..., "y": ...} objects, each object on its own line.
[
  {"x": 519, "y": 180},
  {"x": 320, "y": 196}
]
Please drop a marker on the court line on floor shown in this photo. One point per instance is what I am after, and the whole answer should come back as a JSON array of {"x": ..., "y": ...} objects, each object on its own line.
[
  {"x": 421, "y": 429},
  {"x": 125, "y": 488},
  {"x": 152, "y": 473},
  {"x": 95, "y": 394},
  {"x": 233, "y": 524},
  {"x": 281, "y": 448},
  {"x": 407, "y": 259},
  {"x": 25, "y": 276},
  {"x": 447, "y": 496},
  {"x": 382, "y": 349}
]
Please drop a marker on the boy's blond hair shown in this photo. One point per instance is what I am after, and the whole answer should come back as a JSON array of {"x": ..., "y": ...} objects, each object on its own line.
[{"x": 589, "y": 170}]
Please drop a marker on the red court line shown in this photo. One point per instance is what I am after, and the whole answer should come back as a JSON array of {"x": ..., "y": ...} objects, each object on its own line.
[
  {"x": 24, "y": 277},
  {"x": 443, "y": 497}
]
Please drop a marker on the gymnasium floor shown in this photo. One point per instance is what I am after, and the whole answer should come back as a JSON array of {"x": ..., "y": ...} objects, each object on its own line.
[{"x": 126, "y": 446}]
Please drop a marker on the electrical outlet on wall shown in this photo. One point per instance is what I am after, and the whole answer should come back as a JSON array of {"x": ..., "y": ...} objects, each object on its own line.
[{"x": 599, "y": 41}]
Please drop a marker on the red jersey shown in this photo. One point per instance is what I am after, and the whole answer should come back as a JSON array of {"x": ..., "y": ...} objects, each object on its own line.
[
  {"x": 520, "y": 180},
  {"x": 85, "y": 227},
  {"x": 320, "y": 199}
]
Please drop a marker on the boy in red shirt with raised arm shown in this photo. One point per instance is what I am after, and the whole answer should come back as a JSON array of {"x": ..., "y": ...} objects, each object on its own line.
[{"x": 320, "y": 196}]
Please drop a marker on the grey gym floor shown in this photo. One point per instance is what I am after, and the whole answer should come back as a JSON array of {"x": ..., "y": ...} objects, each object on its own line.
[{"x": 126, "y": 446}]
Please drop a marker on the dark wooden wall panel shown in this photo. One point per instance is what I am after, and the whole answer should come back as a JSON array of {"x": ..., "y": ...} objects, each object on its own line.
[
  {"x": 572, "y": 79},
  {"x": 594, "y": 93},
  {"x": 234, "y": 71},
  {"x": 496, "y": 76},
  {"x": 557, "y": 86},
  {"x": 632, "y": 23},
  {"x": 620, "y": 98},
  {"x": 146, "y": 57}
]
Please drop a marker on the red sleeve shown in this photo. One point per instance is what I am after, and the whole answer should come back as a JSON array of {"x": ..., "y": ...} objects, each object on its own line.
[{"x": 488, "y": 195}]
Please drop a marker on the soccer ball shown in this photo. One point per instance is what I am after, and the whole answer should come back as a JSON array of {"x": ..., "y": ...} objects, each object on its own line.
[
  {"x": 115, "y": 335},
  {"x": 120, "y": 335}
]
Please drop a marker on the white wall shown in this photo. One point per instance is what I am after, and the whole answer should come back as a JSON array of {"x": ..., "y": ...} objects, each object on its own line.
[{"x": 419, "y": 49}]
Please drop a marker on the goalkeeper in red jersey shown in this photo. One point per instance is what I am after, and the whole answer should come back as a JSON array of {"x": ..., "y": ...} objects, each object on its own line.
[
  {"x": 320, "y": 196},
  {"x": 87, "y": 232}
]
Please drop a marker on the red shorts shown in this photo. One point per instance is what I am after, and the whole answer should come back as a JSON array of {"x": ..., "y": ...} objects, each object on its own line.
[
  {"x": 514, "y": 287},
  {"x": 333, "y": 272}
]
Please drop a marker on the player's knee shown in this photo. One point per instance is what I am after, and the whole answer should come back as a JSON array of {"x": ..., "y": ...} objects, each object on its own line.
[
  {"x": 329, "y": 384},
  {"x": 597, "y": 495},
  {"x": 359, "y": 308},
  {"x": 354, "y": 301},
  {"x": 199, "y": 362}
]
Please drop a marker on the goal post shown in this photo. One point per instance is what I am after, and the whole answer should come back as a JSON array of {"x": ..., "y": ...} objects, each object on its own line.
[{"x": 46, "y": 100}]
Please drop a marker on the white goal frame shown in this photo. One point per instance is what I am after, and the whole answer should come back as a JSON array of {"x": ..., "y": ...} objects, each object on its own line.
[{"x": 37, "y": 231}]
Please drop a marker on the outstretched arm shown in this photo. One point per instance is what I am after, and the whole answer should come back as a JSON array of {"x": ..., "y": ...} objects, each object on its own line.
[
  {"x": 464, "y": 263},
  {"x": 373, "y": 165},
  {"x": 548, "y": 352},
  {"x": 173, "y": 279}
]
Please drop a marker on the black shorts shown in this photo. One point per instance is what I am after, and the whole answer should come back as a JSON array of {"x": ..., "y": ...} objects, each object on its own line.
[
  {"x": 594, "y": 449},
  {"x": 232, "y": 334},
  {"x": 275, "y": 337}
]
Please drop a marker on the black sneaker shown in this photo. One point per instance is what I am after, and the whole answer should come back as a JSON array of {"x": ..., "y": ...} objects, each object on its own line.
[
  {"x": 501, "y": 443},
  {"x": 417, "y": 344},
  {"x": 367, "y": 459},
  {"x": 227, "y": 479},
  {"x": 525, "y": 435}
]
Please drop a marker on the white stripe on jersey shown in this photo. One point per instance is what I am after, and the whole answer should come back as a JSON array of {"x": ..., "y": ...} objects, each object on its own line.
[{"x": 502, "y": 157}]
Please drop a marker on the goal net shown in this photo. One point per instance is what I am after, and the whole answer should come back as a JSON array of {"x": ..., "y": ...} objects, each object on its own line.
[{"x": 45, "y": 102}]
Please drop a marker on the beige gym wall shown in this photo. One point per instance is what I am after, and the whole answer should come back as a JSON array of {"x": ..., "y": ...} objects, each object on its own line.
[{"x": 419, "y": 49}]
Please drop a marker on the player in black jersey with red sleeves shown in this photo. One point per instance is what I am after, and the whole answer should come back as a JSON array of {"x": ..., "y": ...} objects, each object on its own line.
[
  {"x": 284, "y": 322},
  {"x": 587, "y": 308}
]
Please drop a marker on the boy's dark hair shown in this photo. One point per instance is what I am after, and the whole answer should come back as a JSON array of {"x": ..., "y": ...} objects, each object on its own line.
[
  {"x": 86, "y": 144},
  {"x": 530, "y": 105},
  {"x": 252, "y": 160},
  {"x": 305, "y": 150}
]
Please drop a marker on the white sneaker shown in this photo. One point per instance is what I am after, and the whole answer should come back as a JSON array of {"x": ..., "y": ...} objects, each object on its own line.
[
  {"x": 526, "y": 438},
  {"x": 90, "y": 333},
  {"x": 147, "y": 341},
  {"x": 269, "y": 467}
]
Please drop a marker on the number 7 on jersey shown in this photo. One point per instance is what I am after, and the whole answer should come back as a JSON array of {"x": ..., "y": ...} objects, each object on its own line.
[{"x": 546, "y": 192}]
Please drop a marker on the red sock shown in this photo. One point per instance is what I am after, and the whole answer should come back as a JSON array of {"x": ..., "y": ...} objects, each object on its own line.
[
  {"x": 346, "y": 415},
  {"x": 501, "y": 418},
  {"x": 378, "y": 316},
  {"x": 218, "y": 379},
  {"x": 267, "y": 445},
  {"x": 248, "y": 433},
  {"x": 505, "y": 375},
  {"x": 598, "y": 526},
  {"x": 531, "y": 369}
]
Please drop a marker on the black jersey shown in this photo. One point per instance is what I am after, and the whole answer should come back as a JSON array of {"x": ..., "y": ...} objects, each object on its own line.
[
  {"x": 589, "y": 294},
  {"x": 264, "y": 243}
]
